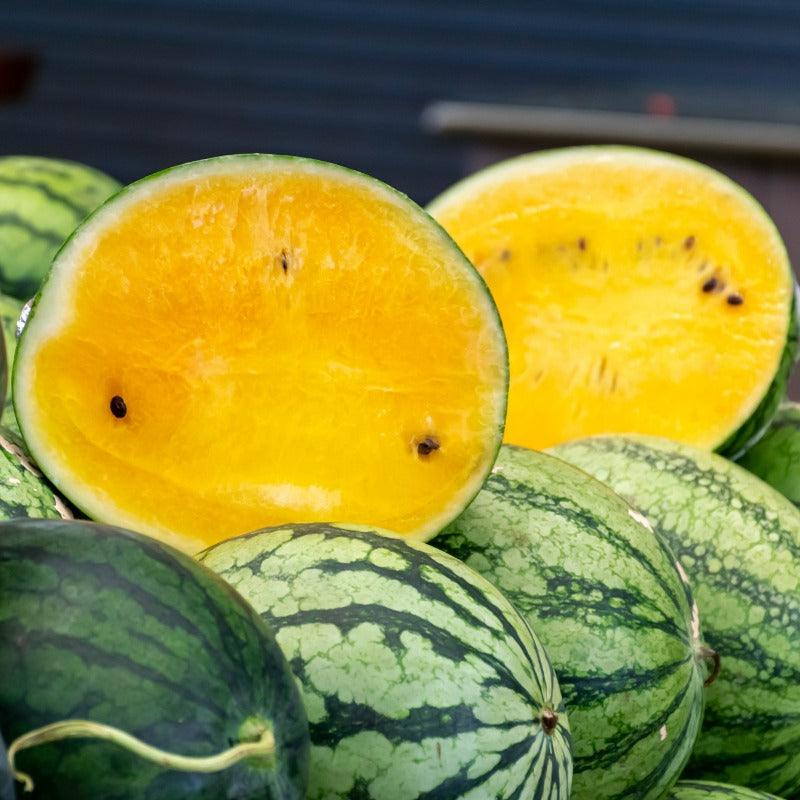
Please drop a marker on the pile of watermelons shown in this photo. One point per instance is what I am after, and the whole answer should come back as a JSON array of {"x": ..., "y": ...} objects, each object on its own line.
[{"x": 303, "y": 497}]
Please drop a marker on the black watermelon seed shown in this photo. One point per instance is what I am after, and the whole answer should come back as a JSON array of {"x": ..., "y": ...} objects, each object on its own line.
[
  {"x": 710, "y": 285},
  {"x": 688, "y": 242},
  {"x": 427, "y": 446},
  {"x": 284, "y": 261},
  {"x": 735, "y": 299},
  {"x": 118, "y": 407},
  {"x": 581, "y": 243}
]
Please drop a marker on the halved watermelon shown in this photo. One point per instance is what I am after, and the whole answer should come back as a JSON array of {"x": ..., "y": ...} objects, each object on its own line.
[
  {"x": 253, "y": 340},
  {"x": 640, "y": 293}
]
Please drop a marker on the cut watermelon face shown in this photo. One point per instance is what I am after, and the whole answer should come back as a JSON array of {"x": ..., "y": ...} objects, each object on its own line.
[
  {"x": 640, "y": 292},
  {"x": 255, "y": 340}
]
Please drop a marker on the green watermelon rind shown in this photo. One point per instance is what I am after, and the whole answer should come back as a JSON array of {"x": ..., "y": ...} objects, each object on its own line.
[
  {"x": 47, "y": 177},
  {"x": 755, "y": 419},
  {"x": 419, "y": 677},
  {"x": 590, "y": 576},
  {"x": 111, "y": 626},
  {"x": 739, "y": 542},
  {"x": 95, "y": 507}
]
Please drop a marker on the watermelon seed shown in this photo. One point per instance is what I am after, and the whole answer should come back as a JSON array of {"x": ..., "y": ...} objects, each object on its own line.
[
  {"x": 581, "y": 243},
  {"x": 505, "y": 255},
  {"x": 735, "y": 299},
  {"x": 118, "y": 407},
  {"x": 284, "y": 262},
  {"x": 549, "y": 721},
  {"x": 688, "y": 242},
  {"x": 710, "y": 285},
  {"x": 427, "y": 446}
]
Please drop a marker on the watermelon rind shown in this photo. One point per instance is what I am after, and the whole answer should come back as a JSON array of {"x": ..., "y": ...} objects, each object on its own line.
[
  {"x": 42, "y": 201},
  {"x": 50, "y": 309},
  {"x": 419, "y": 677},
  {"x": 604, "y": 594},
  {"x": 775, "y": 458},
  {"x": 10, "y": 310},
  {"x": 109, "y": 626},
  {"x": 739, "y": 541},
  {"x": 756, "y": 418}
]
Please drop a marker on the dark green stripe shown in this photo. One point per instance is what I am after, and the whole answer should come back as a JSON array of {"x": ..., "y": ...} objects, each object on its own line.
[
  {"x": 78, "y": 211},
  {"x": 10, "y": 219}
]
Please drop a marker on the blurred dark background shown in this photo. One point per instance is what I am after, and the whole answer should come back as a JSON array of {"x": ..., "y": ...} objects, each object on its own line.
[{"x": 132, "y": 86}]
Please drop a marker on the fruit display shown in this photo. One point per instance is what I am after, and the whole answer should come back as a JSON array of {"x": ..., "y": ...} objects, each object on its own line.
[
  {"x": 739, "y": 540},
  {"x": 775, "y": 457},
  {"x": 611, "y": 607},
  {"x": 420, "y": 678},
  {"x": 42, "y": 201},
  {"x": 599, "y": 258},
  {"x": 112, "y": 628},
  {"x": 260, "y": 536},
  {"x": 293, "y": 365}
]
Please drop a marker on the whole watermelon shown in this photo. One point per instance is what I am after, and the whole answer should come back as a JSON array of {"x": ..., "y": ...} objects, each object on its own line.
[
  {"x": 42, "y": 201},
  {"x": 105, "y": 625},
  {"x": 605, "y": 596},
  {"x": 419, "y": 678},
  {"x": 739, "y": 541},
  {"x": 708, "y": 790}
]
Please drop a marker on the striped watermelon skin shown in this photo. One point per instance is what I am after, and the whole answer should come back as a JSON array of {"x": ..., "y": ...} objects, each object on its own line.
[
  {"x": 419, "y": 678},
  {"x": 10, "y": 310},
  {"x": 42, "y": 201},
  {"x": 24, "y": 491},
  {"x": 709, "y": 790},
  {"x": 604, "y": 594},
  {"x": 103, "y": 624},
  {"x": 775, "y": 458},
  {"x": 739, "y": 541}
]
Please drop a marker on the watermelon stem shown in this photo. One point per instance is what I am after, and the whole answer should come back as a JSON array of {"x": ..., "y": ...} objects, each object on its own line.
[
  {"x": 262, "y": 747},
  {"x": 549, "y": 721},
  {"x": 708, "y": 653}
]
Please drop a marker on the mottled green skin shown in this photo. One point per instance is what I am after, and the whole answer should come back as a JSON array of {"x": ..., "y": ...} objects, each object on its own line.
[
  {"x": 10, "y": 309},
  {"x": 755, "y": 425},
  {"x": 419, "y": 678},
  {"x": 708, "y": 790},
  {"x": 24, "y": 491},
  {"x": 103, "y": 624},
  {"x": 603, "y": 593},
  {"x": 739, "y": 541},
  {"x": 42, "y": 201},
  {"x": 775, "y": 458}
]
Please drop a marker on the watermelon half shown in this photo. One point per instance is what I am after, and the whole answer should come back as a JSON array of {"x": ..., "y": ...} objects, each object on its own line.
[
  {"x": 640, "y": 292},
  {"x": 255, "y": 340}
]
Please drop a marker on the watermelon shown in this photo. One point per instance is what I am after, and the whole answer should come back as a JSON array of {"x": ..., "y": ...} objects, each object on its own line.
[
  {"x": 101, "y": 626},
  {"x": 419, "y": 678},
  {"x": 709, "y": 790},
  {"x": 10, "y": 311},
  {"x": 618, "y": 620},
  {"x": 42, "y": 200},
  {"x": 24, "y": 491},
  {"x": 775, "y": 458},
  {"x": 254, "y": 340},
  {"x": 639, "y": 292},
  {"x": 739, "y": 541}
]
